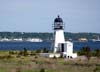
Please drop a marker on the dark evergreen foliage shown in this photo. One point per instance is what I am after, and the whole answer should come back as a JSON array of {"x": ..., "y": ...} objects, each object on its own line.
[
  {"x": 86, "y": 51},
  {"x": 46, "y": 35}
]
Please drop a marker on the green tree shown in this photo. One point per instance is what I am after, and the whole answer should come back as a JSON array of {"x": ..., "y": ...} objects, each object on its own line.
[
  {"x": 45, "y": 50},
  {"x": 42, "y": 70},
  {"x": 85, "y": 51},
  {"x": 97, "y": 52},
  {"x": 25, "y": 53}
]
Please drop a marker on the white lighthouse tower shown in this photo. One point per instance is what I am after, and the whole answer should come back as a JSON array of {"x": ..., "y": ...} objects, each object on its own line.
[
  {"x": 64, "y": 48},
  {"x": 58, "y": 28}
]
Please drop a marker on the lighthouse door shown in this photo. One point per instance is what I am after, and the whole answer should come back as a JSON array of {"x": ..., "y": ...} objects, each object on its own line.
[{"x": 62, "y": 47}]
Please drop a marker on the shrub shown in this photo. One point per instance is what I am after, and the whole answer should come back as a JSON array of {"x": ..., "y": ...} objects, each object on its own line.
[
  {"x": 85, "y": 51},
  {"x": 32, "y": 53},
  {"x": 42, "y": 70},
  {"x": 23, "y": 53},
  {"x": 97, "y": 69}
]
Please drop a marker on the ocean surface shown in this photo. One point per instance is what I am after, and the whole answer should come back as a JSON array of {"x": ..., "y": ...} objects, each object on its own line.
[{"x": 41, "y": 45}]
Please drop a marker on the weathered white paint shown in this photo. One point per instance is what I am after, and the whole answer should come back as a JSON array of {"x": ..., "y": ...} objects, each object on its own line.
[{"x": 58, "y": 38}]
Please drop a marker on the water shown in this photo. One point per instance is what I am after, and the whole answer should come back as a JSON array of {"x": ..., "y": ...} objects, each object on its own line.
[
  {"x": 41, "y": 45},
  {"x": 92, "y": 45},
  {"x": 22, "y": 45}
]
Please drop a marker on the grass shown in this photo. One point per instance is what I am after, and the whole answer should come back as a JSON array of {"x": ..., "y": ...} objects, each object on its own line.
[{"x": 36, "y": 63}]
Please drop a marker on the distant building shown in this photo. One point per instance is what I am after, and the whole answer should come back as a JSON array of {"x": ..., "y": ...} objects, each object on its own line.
[
  {"x": 34, "y": 40},
  {"x": 5, "y": 39},
  {"x": 17, "y": 39},
  {"x": 20, "y": 39},
  {"x": 82, "y": 39}
]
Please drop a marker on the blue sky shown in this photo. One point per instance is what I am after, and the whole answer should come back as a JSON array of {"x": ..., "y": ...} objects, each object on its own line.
[{"x": 38, "y": 15}]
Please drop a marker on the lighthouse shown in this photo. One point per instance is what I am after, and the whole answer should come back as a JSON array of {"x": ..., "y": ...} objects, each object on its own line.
[
  {"x": 60, "y": 46},
  {"x": 58, "y": 35}
]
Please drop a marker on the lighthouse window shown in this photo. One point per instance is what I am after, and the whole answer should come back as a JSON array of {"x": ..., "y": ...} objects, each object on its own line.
[{"x": 61, "y": 27}]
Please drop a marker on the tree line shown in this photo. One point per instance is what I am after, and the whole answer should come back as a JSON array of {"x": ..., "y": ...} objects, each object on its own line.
[{"x": 47, "y": 35}]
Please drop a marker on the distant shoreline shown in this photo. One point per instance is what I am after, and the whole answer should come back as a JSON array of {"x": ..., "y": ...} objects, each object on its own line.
[{"x": 46, "y": 36}]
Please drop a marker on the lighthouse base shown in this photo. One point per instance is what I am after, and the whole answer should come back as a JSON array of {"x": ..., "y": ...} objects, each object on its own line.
[
  {"x": 65, "y": 49},
  {"x": 57, "y": 55},
  {"x": 51, "y": 55},
  {"x": 69, "y": 56}
]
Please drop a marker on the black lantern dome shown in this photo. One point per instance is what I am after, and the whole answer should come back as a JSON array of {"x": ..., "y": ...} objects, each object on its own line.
[
  {"x": 58, "y": 19},
  {"x": 58, "y": 23}
]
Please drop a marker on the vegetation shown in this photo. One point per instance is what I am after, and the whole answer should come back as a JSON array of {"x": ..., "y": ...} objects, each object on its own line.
[
  {"x": 97, "y": 53},
  {"x": 89, "y": 53},
  {"x": 47, "y": 36},
  {"x": 86, "y": 51},
  {"x": 42, "y": 64},
  {"x": 31, "y": 61}
]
